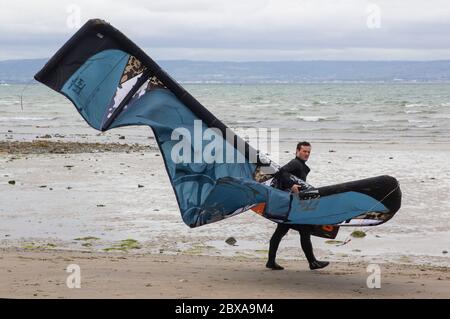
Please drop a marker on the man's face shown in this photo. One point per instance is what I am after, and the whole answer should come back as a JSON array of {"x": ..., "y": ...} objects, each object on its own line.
[{"x": 304, "y": 152}]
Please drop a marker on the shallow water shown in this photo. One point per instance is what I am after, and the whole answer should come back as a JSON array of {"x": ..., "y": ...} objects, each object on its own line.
[{"x": 372, "y": 112}]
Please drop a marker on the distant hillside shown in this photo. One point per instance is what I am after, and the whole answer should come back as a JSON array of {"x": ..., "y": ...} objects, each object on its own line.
[{"x": 20, "y": 71}]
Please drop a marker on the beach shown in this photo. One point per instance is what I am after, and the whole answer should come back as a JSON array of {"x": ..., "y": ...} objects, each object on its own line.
[
  {"x": 43, "y": 274},
  {"x": 102, "y": 200},
  {"x": 109, "y": 208}
]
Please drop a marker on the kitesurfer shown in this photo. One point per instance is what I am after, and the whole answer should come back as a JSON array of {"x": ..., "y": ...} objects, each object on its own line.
[{"x": 296, "y": 167}]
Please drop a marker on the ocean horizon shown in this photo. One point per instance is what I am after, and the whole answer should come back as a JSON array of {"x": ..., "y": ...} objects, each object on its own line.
[{"x": 21, "y": 71}]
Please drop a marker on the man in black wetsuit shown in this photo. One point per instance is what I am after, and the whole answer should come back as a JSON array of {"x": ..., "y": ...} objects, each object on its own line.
[{"x": 296, "y": 167}]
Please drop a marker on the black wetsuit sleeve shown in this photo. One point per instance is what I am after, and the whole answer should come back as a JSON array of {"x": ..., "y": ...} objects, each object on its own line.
[
  {"x": 285, "y": 181},
  {"x": 284, "y": 175}
]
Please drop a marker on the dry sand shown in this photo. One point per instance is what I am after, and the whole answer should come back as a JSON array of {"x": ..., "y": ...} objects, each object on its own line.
[{"x": 42, "y": 274}]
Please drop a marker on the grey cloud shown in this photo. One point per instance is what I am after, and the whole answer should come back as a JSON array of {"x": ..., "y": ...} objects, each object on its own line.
[{"x": 319, "y": 27}]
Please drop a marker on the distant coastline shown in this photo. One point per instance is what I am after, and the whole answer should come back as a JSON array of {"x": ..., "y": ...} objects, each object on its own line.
[{"x": 271, "y": 72}]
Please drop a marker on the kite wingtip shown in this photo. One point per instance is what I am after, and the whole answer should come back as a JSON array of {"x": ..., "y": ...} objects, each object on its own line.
[{"x": 96, "y": 21}]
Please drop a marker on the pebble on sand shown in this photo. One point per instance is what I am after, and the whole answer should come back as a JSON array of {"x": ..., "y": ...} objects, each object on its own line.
[{"x": 231, "y": 241}]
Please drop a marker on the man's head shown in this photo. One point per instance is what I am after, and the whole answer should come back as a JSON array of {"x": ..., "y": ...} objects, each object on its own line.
[{"x": 303, "y": 151}]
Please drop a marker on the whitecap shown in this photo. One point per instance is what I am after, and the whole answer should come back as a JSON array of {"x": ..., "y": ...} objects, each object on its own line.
[
  {"x": 312, "y": 118},
  {"x": 429, "y": 125},
  {"x": 9, "y": 102},
  {"x": 424, "y": 125},
  {"x": 19, "y": 119},
  {"x": 246, "y": 121},
  {"x": 416, "y": 121},
  {"x": 413, "y": 111},
  {"x": 301, "y": 105},
  {"x": 414, "y": 105}
]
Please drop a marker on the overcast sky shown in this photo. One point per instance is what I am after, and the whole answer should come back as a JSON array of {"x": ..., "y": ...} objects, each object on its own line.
[{"x": 243, "y": 30}]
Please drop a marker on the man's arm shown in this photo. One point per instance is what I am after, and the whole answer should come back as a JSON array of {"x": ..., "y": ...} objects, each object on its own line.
[{"x": 284, "y": 176}]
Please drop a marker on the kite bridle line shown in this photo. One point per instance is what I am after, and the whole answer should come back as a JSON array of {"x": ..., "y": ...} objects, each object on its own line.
[{"x": 23, "y": 90}]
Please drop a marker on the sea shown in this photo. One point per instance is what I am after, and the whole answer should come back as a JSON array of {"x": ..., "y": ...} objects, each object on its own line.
[{"x": 320, "y": 112}]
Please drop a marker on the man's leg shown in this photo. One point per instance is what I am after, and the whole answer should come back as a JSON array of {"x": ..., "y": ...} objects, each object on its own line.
[
  {"x": 279, "y": 233},
  {"x": 305, "y": 241}
]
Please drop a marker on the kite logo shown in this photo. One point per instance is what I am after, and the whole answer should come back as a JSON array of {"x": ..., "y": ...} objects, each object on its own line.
[
  {"x": 77, "y": 85},
  {"x": 309, "y": 204},
  {"x": 74, "y": 279},
  {"x": 374, "y": 279}
]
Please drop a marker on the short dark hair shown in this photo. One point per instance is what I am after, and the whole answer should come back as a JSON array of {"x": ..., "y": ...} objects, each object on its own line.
[{"x": 304, "y": 143}]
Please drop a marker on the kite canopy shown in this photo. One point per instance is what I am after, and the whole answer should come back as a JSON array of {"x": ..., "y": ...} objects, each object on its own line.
[{"x": 113, "y": 83}]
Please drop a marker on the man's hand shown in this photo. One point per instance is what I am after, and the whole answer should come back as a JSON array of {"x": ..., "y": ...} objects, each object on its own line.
[{"x": 296, "y": 188}]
